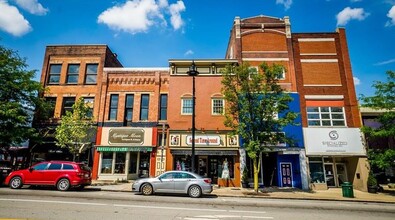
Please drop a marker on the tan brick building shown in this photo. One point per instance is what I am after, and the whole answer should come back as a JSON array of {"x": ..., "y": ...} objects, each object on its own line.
[{"x": 133, "y": 108}]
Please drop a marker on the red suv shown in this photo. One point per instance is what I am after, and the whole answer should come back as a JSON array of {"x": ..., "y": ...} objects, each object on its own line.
[{"x": 62, "y": 174}]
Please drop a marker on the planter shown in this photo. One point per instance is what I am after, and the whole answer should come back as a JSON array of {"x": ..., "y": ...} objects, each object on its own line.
[
  {"x": 372, "y": 189},
  {"x": 245, "y": 184}
]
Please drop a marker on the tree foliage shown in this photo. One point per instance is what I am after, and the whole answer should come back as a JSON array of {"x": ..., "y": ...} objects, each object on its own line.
[
  {"x": 76, "y": 128},
  {"x": 253, "y": 98},
  {"x": 383, "y": 99},
  {"x": 19, "y": 98}
]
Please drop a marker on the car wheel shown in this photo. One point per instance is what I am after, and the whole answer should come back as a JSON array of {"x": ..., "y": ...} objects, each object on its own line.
[
  {"x": 194, "y": 191},
  {"x": 63, "y": 184},
  {"x": 146, "y": 189},
  {"x": 16, "y": 183}
]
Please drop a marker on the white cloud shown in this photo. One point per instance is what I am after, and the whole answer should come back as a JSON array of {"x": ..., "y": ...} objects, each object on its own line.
[
  {"x": 12, "y": 21},
  {"x": 175, "y": 10},
  {"x": 287, "y": 3},
  {"x": 351, "y": 13},
  {"x": 189, "y": 52},
  {"x": 32, "y": 6},
  {"x": 133, "y": 16},
  {"x": 136, "y": 16},
  {"x": 385, "y": 62},
  {"x": 391, "y": 14},
  {"x": 357, "y": 81}
]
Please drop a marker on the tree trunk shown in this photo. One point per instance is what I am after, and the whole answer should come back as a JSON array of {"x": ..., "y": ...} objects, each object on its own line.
[{"x": 256, "y": 162}]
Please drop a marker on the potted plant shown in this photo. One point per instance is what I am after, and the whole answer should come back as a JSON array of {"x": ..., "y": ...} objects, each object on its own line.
[
  {"x": 244, "y": 179},
  {"x": 372, "y": 183}
]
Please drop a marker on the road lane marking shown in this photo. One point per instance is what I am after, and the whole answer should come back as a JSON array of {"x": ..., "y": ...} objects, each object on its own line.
[
  {"x": 53, "y": 201},
  {"x": 152, "y": 207}
]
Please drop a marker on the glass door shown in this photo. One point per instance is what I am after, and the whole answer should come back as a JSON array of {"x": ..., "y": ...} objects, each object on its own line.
[
  {"x": 329, "y": 175},
  {"x": 341, "y": 173}
]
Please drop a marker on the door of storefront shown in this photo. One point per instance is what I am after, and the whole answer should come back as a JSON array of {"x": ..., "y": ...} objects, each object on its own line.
[
  {"x": 144, "y": 164},
  {"x": 203, "y": 166},
  {"x": 329, "y": 175},
  {"x": 286, "y": 174},
  {"x": 341, "y": 174}
]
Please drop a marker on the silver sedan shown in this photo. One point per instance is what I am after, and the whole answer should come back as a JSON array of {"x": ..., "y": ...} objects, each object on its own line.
[{"x": 174, "y": 182}]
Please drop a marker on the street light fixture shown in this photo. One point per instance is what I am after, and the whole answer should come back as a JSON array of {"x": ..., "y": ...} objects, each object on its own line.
[{"x": 193, "y": 72}]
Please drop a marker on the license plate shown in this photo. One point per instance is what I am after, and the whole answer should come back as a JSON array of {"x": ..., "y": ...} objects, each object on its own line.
[{"x": 4, "y": 171}]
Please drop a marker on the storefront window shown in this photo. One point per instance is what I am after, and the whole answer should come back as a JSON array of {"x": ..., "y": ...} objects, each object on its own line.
[
  {"x": 106, "y": 164},
  {"x": 120, "y": 162},
  {"x": 316, "y": 172},
  {"x": 225, "y": 163},
  {"x": 133, "y": 163}
]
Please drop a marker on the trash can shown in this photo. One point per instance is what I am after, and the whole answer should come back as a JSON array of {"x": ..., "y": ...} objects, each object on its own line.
[{"x": 347, "y": 190}]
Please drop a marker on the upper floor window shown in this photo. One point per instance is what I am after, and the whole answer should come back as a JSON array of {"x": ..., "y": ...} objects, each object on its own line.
[
  {"x": 217, "y": 106},
  {"x": 325, "y": 116},
  {"x": 91, "y": 73},
  {"x": 113, "y": 107},
  {"x": 163, "y": 107},
  {"x": 72, "y": 73},
  {"x": 282, "y": 74},
  {"x": 52, "y": 103},
  {"x": 129, "y": 108},
  {"x": 186, "y": 106},
  {"x": 144, "y": 107},
  {"x": 89, "y": 101},
  {"x": 67, "y": 106},
  {"x": 54, "y": 73}
]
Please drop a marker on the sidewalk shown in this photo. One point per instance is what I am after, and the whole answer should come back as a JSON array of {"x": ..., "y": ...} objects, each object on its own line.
[{"x": 333, "y": 194}]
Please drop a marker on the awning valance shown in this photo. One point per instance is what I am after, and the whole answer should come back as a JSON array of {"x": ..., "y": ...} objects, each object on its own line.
[{"x": 122, "y": 149}]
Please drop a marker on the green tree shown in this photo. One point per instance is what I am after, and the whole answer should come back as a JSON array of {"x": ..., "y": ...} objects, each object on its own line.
[
  {"x": 253, "y": 98},
  {"x": 76, "y": 128},
  {"x": 19, "y": 99},
  {"x": 383, "y": 99}
]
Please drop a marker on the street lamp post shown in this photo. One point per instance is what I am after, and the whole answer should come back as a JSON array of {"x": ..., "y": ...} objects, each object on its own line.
[{"x": 193, "y": 72}]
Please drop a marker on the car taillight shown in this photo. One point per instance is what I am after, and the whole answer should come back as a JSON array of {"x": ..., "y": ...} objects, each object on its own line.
[
  {"x": 80, "y": 174},
  {"x": 208, "y": 180}
]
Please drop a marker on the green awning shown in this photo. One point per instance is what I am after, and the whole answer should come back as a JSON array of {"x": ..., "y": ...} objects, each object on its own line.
[{"x": 123, "y": 149}]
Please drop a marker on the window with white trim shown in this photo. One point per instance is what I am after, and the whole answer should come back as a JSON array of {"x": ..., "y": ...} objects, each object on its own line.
[
  {"x": 282, "y": 75},
  {"x": 326, "y": 116},
  {"x": 217, "y": 106},
  {"x": 186, "y": 108}
]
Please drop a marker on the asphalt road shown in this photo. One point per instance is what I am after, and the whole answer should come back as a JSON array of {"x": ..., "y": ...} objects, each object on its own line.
[{"x": 86, "y": 205}]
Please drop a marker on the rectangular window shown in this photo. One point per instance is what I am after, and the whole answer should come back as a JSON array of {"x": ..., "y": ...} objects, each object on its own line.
[
  {"x": 326, "y": 116},
  {"x": 217, "y": 106},
  {"x": 316, "y": 170},
  {"x": 91, "y": 73},
  {"x": 67, "y": 106},
  {"x": 163, "y": 107},
  {"x": 113, "y": 107},
  {"x": 187, "y": 106},
  {"x": 120, "y": 158},
  {"x": 54, "y": 73},
  {"x": 52, "y": 103},
  {"x": 106, "y": 162},
  {"x": 282, "y": 74},
  {"x": 89, "y": 101},
  {"x": 129, "y": 108},
  {"x": 144, "y": 107},
  {"x": 72, "y": 73}
]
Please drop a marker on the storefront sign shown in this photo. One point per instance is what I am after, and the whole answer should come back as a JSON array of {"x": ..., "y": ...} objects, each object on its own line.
[
  {"x": 124, "y": 149},
  {"x": 205, "y": 140},
  {"x": 333, "y": 141},
  {"x": 126, "y": 136}
]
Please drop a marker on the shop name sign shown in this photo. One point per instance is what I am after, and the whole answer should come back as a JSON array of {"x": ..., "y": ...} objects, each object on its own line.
[
  {"x": 327, "y": 141},
  {"x": 205, "y": 140},
  {"x": 126, "y": 136}
]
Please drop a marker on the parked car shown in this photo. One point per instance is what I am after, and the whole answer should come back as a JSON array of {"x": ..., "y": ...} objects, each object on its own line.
[
  {"x": 5, "y": 169},
  {"x": 174, "y": 182},
  {"x": 62, "y": 174}
]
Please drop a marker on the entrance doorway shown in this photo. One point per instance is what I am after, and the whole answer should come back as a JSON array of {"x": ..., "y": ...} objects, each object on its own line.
[
  {"x": 341, "y": 173},
  {"x": 329, "y": 175},
  {"x": 203, "y": 166},
  {"x": 286, "y": 174}
]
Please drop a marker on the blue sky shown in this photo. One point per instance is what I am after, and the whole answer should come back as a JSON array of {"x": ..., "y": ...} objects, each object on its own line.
[{"x": 146, "y": 33}]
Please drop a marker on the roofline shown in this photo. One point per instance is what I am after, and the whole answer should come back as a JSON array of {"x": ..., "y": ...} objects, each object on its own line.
[{"x": 135, "y": 69}]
